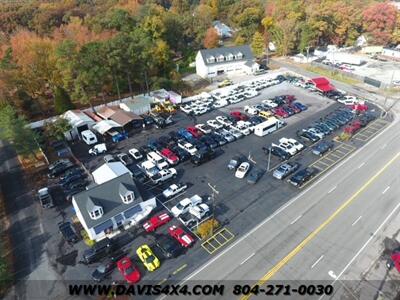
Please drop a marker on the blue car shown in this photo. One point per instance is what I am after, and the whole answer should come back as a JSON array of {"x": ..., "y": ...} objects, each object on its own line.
[
  {"x": 300, "y": 106},
  {"x": 154, "y": 145},
  {"x": 185, "y": 134}
]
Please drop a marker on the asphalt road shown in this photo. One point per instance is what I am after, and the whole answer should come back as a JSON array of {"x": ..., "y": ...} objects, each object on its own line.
[{"x": 332, "y": 219}]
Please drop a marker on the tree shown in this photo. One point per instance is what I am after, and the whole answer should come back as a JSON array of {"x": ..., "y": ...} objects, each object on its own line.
[
  {"x": 62, "y": 101},
  {"x": 15, "y": 130},
  {"x": 240, "y": 40},
  {"x": 380, "y": 21},
  {"x": 211, "y": 39},
  {"x": 258, "y": 44},
  {"x": 56, "y": 130}
]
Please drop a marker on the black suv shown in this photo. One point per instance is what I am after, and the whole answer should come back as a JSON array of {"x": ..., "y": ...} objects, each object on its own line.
[
  {"x": 100, "y": 250},
  {"x": 68, "y": 232},
  {"x": 302, "y": 176},
  {"x": 59, "y": 169},
  {"x": 278, "y": 152},
  {"x": 169, "y": 246},
  {"x": 202, "y": 156}
]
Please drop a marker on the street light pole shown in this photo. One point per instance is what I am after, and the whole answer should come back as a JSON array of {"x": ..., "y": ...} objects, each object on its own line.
[
  {"x": 213, "y": 193},
  {"x": 334, "y": 276},
  {"x": 269, "y": 158}
]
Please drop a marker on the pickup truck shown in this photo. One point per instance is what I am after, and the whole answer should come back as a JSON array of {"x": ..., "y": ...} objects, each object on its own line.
[
  {"x": 45, "y": 199},
  {"x": 195, "y": 214},
  {"x": 174, "y": 189},
  {"x": 68, "y": 232},
  {"x": 164, "y": 175}
]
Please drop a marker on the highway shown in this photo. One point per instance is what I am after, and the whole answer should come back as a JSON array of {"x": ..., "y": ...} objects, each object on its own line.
[{"x": 326, "y": 228}]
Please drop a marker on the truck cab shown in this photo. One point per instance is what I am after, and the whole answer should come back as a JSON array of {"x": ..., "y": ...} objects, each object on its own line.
[{"x": 45, "y": 199}]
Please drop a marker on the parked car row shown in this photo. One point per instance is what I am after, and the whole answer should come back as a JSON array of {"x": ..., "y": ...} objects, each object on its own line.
[{"x": 204, "y": 103}]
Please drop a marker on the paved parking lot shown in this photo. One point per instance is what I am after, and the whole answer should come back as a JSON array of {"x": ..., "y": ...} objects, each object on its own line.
[
  {"x": 371, "y": 130},
  {"x": 238, "y": 206}
]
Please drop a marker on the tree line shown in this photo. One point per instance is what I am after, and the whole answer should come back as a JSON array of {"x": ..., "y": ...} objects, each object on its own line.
[{"x": 56, "y": 55}]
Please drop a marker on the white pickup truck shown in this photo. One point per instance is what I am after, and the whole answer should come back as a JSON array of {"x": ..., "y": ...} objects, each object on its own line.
[
  {"x": 184, "y": 205},
  {"x": 195, "y": 214},
  {"x": 164, "y": 175},
  {"x": 174, "y": 189}
]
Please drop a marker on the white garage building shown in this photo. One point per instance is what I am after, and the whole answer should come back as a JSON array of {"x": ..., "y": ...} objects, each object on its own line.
[{"x": 225, "y": 60}]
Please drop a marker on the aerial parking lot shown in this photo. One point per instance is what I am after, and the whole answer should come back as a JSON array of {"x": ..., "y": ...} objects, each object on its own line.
[{"x": 237, "y": 185}]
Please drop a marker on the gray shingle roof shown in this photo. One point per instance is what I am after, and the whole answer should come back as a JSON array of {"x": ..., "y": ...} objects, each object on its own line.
[
  {"x": 107, "y": 195},
  {"x": 225, "y": 51}
]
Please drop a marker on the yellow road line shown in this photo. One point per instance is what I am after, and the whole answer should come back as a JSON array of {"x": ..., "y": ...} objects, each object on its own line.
[
  {"x": 313, "y": 234},
  {"x": 334, "y": 155},
  {"x": 179, "y": 269}
]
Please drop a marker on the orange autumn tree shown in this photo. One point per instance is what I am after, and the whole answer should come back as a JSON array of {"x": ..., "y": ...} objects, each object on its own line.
[{"x": 211, "y": 39}]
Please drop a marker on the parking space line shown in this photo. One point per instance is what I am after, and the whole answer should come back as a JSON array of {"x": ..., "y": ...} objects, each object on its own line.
[
  {"x": 334, "y": 155},
  {"x": 224, "y": 233},
  {"x": 179, "y": 269},
  {"x": 324, "y": 163},
  {"x": 315, "y": 166},
  {"x": 330, "y": 159},
  {"x": 176, "y": 196},
  {"x": 317, "y": 261},
  {"x": 337, "y": 150}
]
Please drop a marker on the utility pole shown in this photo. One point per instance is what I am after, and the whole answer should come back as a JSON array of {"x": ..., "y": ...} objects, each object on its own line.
[
  {"x": 213, "y": 194},
  {"x": 251, "y": 159},
  {"x": 269, "y": 158}
]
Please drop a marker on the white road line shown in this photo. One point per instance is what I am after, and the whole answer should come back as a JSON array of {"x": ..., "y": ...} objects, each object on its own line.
[
  {"x": 355, "y": 222},
  {"x": 365, "y": 245},
  {"x": 332, "y": 189},
  {"x": 318, "y": 260},
  {"x": 386, "y": 190},
  {"x": 384, "y": 146},
  {"x": 361, "y": 165},
  {"x": 248, "y": 258},
  {"x": 295, "y": 220},
  {"x": 283, "y": 207}
]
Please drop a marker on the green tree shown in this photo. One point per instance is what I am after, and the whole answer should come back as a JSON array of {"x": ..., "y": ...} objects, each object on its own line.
[
  {"x": 258, "y": 44},
  {"x": 15, "y": 130},
  {"x": 62, "y": 101},
  {"x": 56, "y": 130}
]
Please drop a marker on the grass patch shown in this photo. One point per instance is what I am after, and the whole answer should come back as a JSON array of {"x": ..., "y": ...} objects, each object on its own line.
[
  {"x": 86, "y": 239},
  {"x": 207, "y": 228},
  {"x": 335, "y": 75}
]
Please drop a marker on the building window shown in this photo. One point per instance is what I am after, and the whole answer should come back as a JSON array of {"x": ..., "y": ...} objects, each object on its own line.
[
  {"x": 128, "y": 198},
  {"x": 96, "y": 214}
]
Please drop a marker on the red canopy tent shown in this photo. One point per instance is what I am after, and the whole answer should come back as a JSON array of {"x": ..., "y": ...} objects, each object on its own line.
[
  {"x": 322, "y": 84},
  {"x": 396, "y": 260}
]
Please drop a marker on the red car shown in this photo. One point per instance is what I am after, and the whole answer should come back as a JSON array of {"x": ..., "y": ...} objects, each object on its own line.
[
  {"x": 128, "y": 270},
  {"x": 181, "y": 236},
  {"x": 239, "y": 116},
  {"x": 169, "y": 156},
  {"x": 280, "y": 112},
  {"x": 194, "y": 131},
  {"x": 156, "y": 221},
  {"x": 353, "y": 127}
]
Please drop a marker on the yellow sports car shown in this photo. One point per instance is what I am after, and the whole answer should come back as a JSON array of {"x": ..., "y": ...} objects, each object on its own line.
[{"x": 150, "y": 261}]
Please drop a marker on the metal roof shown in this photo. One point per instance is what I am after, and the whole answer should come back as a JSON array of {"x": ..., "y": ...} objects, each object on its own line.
[{"x": 109, "y": 171}]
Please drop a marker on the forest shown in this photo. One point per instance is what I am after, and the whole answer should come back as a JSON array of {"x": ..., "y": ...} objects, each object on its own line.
[{"x": 56, "y": 55}]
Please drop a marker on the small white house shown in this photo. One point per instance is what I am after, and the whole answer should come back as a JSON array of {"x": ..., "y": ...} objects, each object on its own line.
[
  {"x": 225, "y": 60},
  {"x": 105, "y": 209}
]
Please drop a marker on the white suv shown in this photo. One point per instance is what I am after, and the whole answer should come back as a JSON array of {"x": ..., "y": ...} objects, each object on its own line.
[
  {"x": 188, "y": 147},
  {"x": 251, "y": 110},
  {"x": 298, "y": 146}
]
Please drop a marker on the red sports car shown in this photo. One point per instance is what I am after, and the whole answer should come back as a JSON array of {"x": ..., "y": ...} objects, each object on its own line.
[
  {"x": 278, "y": 111},
  {"x": 239, "y": 116},
  {"x": 156, "y": 221},
  {"x": 170, "y": 156},
  {"x": 128, "y": 270},
  {"x": 194, "y": 131},
  {"x": 181, "y": 236}
]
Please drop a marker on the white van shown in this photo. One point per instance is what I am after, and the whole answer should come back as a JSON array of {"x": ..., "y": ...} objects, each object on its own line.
[
  {"x": 149, "y": 168},
  {"x": 157, "y": 160},
  {"x": 89, "y": 137}
]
